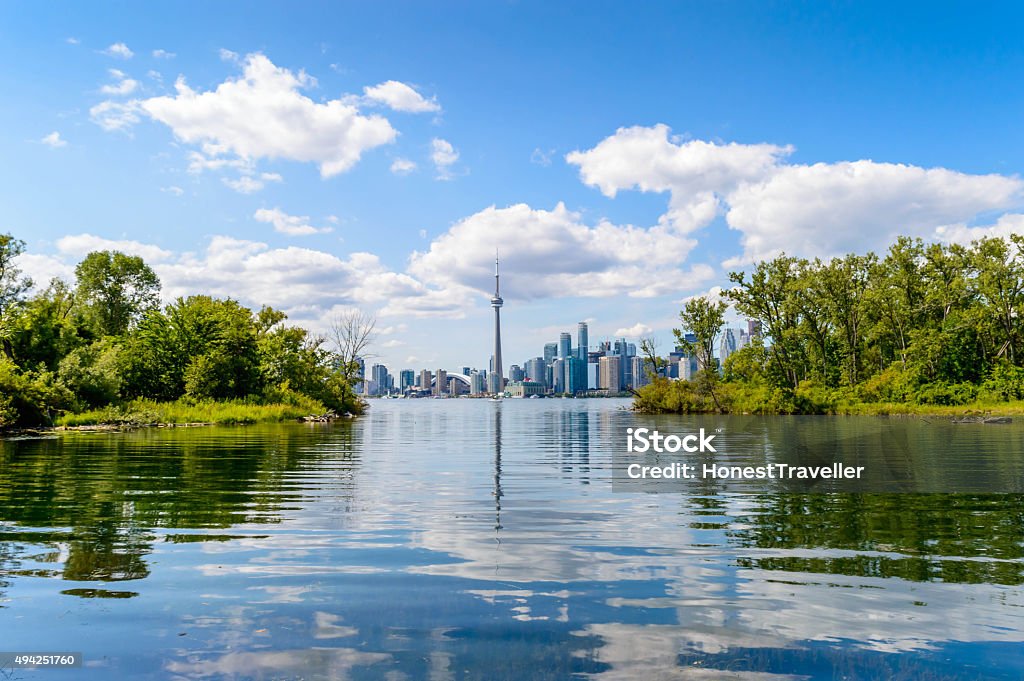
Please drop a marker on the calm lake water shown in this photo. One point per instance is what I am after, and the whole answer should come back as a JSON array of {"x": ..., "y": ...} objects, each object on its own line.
[{"x": 465, "y": 539}]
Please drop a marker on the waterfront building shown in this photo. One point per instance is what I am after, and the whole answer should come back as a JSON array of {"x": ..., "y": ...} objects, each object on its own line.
[
  {"x": 379, "y": 377},
  {"x": 536, "y": 370},
  {"x": 360, "y": 388},
  {"x": 609, "y": 374},
  {"x": 476, "y": 383},
  {"x": 495, "y": 383},
  {"x": 406, "y": 379},
  {"x": 592, "y": 375},
  {"x": 440, "y": 382},
  {"x": 525, "y": 388},
  {"x": 575, "y": 375},
  {"x": 753, "y": 328},
  {"x": 558, "y": 375},
  {"x": 425, "y": 378}
]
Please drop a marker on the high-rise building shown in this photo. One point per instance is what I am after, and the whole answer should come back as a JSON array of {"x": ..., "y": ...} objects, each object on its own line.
[
  {"x": 564, "y": 345},
  {"x": 558, "y": 375},
  {"x": 360, "y": 387},
  {"x": 406, "y": 379},
  {"x": 536, "y": 371},
  {"x": 581, "y": 341},
  {"x": 425, "y": 377},
  {"x": 440, "y": 382},
  {"x": 754, "y": 328},
  {"x": 465, "y": 371},
  {"x": 379, "y": 379},
  {"x": 495, "y": 383},
  {"x": 641, "y": 371},
  {"x": 609, "y": 374},
  {"x": 476, "y": 383},
  {"x": 496, "y": 303},
  {"x": 515, "y": 373},
  {"x": 575, "y": 375},
  {"x": 550, "y": 352},
  {"x": 726, "y": 345}
]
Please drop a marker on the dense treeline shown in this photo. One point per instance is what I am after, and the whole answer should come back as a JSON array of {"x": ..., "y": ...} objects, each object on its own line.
[
  {"x": 927, "y": 324},
  {"x": 105, "y": 340}
]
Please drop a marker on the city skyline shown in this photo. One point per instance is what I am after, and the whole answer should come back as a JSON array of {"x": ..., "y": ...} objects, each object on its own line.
[{"x": 339, "y": 157}]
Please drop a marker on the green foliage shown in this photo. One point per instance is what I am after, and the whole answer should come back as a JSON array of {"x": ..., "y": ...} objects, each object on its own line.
[
  {"x": 117, "y": 289},
  {"x": 29, "y": 398},
  {"x": 924, "y": 326},
  {"x": 92, "y": 373},
  {"x": 105, "y": 346}
]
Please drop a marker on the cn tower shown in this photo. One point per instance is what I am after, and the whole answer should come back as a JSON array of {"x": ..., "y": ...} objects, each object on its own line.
[{"x": 496, "y": 303}]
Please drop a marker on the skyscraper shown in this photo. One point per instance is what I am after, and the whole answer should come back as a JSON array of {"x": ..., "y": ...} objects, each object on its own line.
[
  {"x": 535, "y": 371},
  {"x": 726, "y": 345},
  {"x": 550, "y": 352},
  {"x": 496, "y": 303},
  {"x": 609, "y": 374},
  {"x": 581, "y": 341},
  {"x": 564, "y": 345}
]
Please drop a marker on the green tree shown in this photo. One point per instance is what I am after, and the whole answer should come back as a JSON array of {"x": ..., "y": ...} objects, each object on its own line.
[
  {"x": 704, "y": 319},
  {"x": 118, "y": 289},
  {"x": 13, "y": 286}
]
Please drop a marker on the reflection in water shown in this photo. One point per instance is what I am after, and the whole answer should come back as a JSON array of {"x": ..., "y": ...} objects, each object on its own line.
[{"x": 464, "y": 539}]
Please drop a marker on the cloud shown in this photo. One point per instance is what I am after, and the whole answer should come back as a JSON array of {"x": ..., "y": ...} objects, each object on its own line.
[
  {"x": 42, "y": 268},
  {"x": 72, "y": 41},
  {"x": 115, "y": 116},
  {"x": 444, "y": 155},
  {"x": 831, "y": 209},
  {"x": 553, "y": 254},
  {"x": 163, "y": 54},
  {"x": 263, "y": 114},
  {"x": 174, "y": 190},
  {"x": 1010, "y": 223},
  {"x": 636, "y": 331},
  {"x": 119, "y": 50},
  {"x": 400, "y": 97},
  {"x": 227, "y": 55},
  {"x": 54, "y": 141},
  {"x": 402, "y": 166},
  {"x": 249, "y": 184},
  {"x": 821, "y": 209},
  {"x": 123, "y": 85},
  {"x": 80, "y": 245},
  {"x": 292, "y": 225}
]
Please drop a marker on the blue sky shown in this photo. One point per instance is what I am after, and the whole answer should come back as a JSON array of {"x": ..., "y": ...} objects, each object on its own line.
[{"x": 329, "y": 156}]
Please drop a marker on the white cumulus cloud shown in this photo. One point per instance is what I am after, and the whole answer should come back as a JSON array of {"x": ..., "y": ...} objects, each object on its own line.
[
  {"x": 292, "y": 225},
  {"x": 554, "y": 254},
  {"x": 400, "y": 97},
  {"x": 119, "y": 50},
  {"x": 636, "y": 331},
  {"x": 444, "y": 156},
  {"x": 79, "y": 245},
  {"x": 820, "y": 209},
  {"x": 54, "y": 140},
  {"x": 122, "y": 85},
  {"x": 402, "y": 166},
  {"x": 163, "y": 54},
  {"x": 115, "y": 116},
  {"x": 1010, "y": 223},
  {"x": 263, "y": 114}
]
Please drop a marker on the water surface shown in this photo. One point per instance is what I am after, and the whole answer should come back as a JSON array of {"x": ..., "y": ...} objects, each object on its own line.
[{"x": 465, "y": 539}]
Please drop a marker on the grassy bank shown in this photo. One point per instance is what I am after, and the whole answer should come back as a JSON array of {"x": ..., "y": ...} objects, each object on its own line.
[
  {"x": 219, "y": 412},
  {"x": 686, "y": 397}
]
